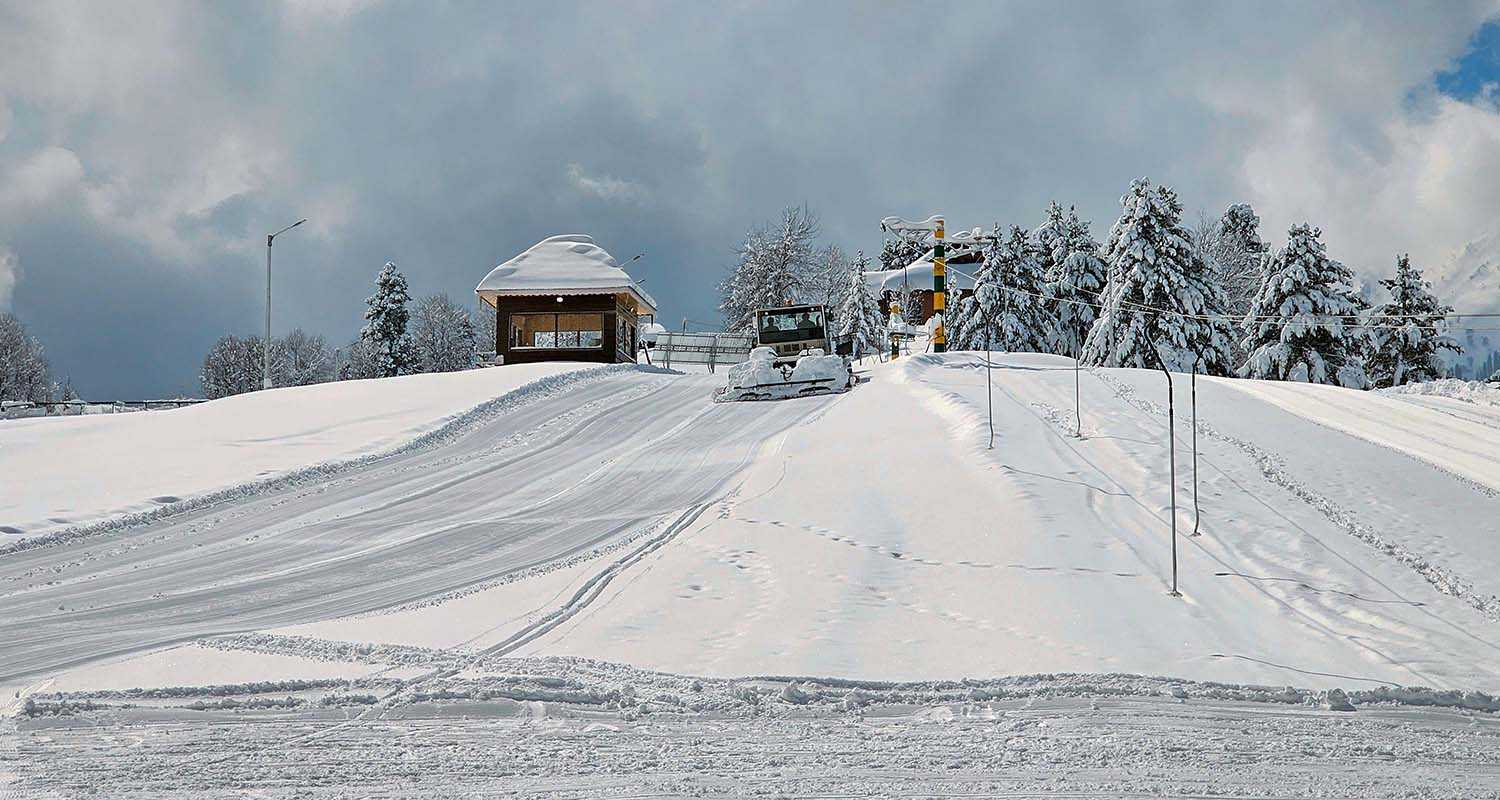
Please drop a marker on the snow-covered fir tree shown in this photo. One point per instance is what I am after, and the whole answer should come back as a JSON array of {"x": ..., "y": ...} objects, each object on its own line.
[
  {"x": 1026, "y": 323},
  {"x": 1007, "y": 310},
  {"x": 1238, "y": 253},
  {"x": 774, "y": 264},
  {"x": 859, "y": 316},
  {"x": 385, "y": 325},
  {"x": 1048, "y": 235},
  {"x": 444, "y": 335},
  {"x": 901, "y": 252},
  {"x": 1407, "y": 332},
  {"x": 1299, "y": 326},
  {"x": 1075, "y": 284},
  {"x": 1161, "y": 300}
]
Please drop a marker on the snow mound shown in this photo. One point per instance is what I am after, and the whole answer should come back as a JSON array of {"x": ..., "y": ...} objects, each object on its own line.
[{"x": 1482, "y": 393}]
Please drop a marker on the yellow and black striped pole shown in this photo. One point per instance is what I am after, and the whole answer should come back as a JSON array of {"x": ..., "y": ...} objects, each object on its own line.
[{"x": 939, "y": 270}]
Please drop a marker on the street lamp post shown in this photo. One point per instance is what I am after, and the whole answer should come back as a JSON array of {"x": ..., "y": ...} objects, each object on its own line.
[{"x": 265, "y": 345}]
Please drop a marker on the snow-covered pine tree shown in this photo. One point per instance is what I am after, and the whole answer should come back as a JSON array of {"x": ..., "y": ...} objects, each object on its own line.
[
  {"x": 901, "y": 252},
  {"x": 1408, "y": 331},
  {"x": 1006, "y": 311},
  {"x": 385, "y": 325},
  {"x": 1048, "y": 235},
  {"x": 974, "y": 322},
  {"x": 1026, "y": 324},
  {"x": 1160, "y": 301},
  {"x": 859, "y": 316},
  {"x": 1238, "y": 252},
  {"x": 1074, "y": 285},
  {"x": 1298, "y": 328},
  {"x": 774, "y": 265}
]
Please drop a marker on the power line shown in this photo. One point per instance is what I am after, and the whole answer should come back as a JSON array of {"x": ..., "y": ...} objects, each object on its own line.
[{"x": 1239, "y": 320}]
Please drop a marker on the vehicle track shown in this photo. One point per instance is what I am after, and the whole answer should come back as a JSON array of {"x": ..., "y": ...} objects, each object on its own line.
[{"x": 419, "y": 525}]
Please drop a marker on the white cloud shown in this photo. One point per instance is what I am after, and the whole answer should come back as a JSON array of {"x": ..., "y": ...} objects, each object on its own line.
[
  {"x": 37, "y": 180},
  {"x": 605, "y": 187}
]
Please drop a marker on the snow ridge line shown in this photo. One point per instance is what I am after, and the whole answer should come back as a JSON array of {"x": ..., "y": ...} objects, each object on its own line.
[
  {"x": 1273, "y": 468},
  {"x": 583, "y": 681},
  {"x": 595, "y": 586},
  {"x": 536, "y": 390}
]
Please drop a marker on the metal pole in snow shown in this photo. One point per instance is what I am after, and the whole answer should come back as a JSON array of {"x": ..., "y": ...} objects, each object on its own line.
[
  {"x": 1077, "y": 397},
  {"x": 265, "y": 355},
  {"x": 989, "y": 392},
  {"x": 1196, "y": 513},
  {"x": 265, "y": 344},
  {"x": 1172, "y": 460}
]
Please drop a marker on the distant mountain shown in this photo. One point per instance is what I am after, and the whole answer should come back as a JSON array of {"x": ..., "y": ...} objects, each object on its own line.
[{"x": 1470, "y": 281}]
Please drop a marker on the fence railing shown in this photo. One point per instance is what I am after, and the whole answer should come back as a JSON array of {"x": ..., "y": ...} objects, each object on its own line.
[
  {"x": 710, "y": 348},
  {"x": 72, "y": 408}
]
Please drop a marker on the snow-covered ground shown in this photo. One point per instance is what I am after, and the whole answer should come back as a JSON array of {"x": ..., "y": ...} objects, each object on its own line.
[
  {"x": 80, "y": 471},
  {"x": 456, "y": 619}
]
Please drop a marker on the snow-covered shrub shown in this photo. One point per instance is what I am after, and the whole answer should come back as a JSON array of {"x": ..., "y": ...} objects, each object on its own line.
[
  {"x": 24, "y": 372},
  {"x": 443, "y": 335}
]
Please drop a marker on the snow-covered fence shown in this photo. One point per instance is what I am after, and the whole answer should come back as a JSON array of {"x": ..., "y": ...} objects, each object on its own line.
[
  {"x": 73, "y": 408},
  {"x": 709, "y": 348}
]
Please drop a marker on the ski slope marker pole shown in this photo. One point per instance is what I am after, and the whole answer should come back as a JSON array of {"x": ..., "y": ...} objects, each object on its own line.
[
  {"x": 1077, "y": 398},
  {"x": 1172, "y": 460},
  {"x": 939, "y": 305},
  {"x": 989, "y": 393},
  {"x": 1196, "y": 512}
]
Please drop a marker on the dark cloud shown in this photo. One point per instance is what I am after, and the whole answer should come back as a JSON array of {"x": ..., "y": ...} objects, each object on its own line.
[{"x": 450, "y": 141}]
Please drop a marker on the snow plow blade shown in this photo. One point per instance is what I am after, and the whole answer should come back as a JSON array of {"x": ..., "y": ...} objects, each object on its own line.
[{"x": 778, "y": 391}]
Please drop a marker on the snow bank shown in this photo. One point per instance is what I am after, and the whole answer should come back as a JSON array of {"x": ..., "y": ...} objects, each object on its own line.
[
  {"x": 1477, "y": 392},
  {"x": 91, "y": 470}
]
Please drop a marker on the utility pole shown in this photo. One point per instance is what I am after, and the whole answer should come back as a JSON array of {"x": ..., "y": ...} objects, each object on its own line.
[
  {"x": 933, "y": 225},
  {"x": 265, "y": 345},
  {"x": 939, "y": 303}
]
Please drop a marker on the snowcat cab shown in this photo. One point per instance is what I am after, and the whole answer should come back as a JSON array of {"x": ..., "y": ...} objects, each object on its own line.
[{"x": 791, "y": 331}]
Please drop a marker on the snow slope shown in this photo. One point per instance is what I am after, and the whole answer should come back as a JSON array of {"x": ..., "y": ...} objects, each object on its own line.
[
  {"x": 78, "y": 471},
  {"x": 528, "y": 600},
  {"x": 885, "y": 541},
  {"x": 1348, "y": 538}
]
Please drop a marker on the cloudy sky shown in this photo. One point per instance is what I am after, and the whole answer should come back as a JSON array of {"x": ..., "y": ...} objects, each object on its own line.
[{"x": 146, "y": 148}]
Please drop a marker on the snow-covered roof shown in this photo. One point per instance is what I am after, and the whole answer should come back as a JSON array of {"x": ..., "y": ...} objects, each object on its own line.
[
  {"x": 919, "y": 275},
  {"x": 568, "y": 264}
]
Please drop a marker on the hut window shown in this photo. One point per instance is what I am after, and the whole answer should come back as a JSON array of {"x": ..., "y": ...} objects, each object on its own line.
[{"x": 579, "y": 331}]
